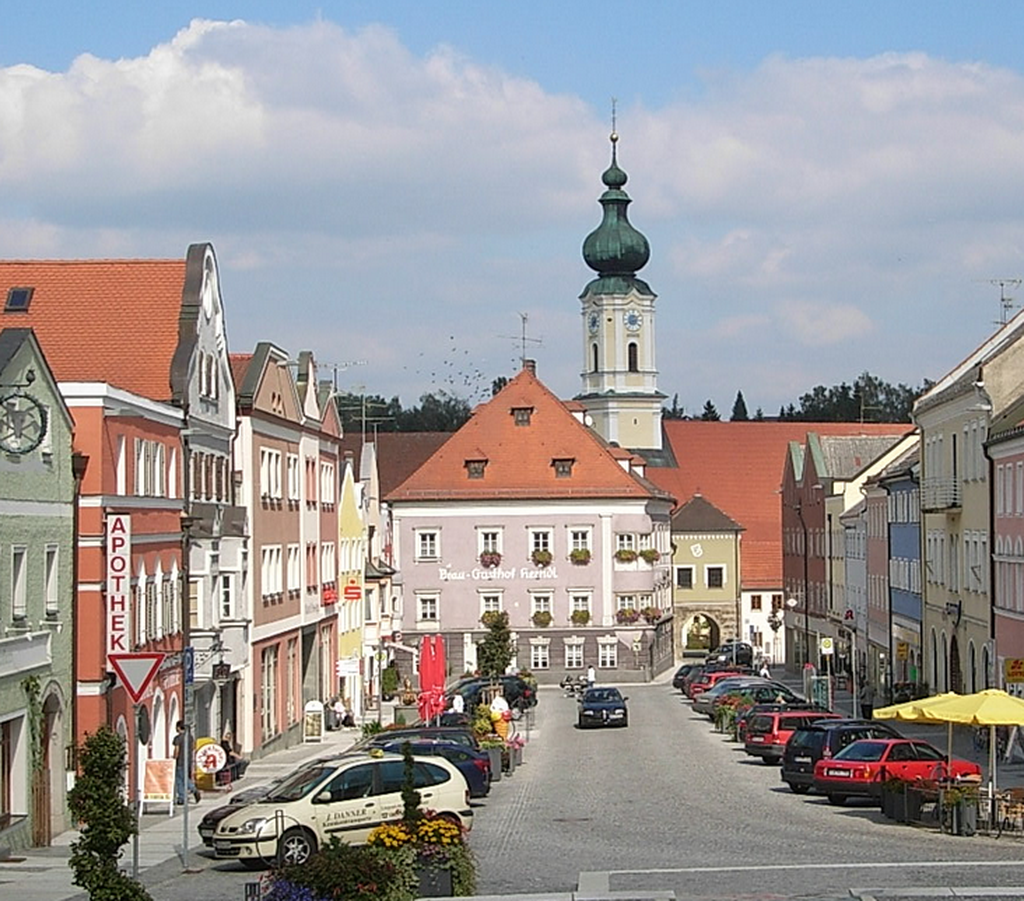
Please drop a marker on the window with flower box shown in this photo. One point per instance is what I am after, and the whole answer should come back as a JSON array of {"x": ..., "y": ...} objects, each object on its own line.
[
  {"x": 490, "y": 602},
  {"x": 579, "y": 539},
  {"x": 625, "y": 602},
  {"x": 607, "y": 654},
  {"x": 540, "y": 602},
  {"x": 579, "y": 601},
  {"x": 625, "y": 541},
  {"x": 574, "y": 655},
  {"x": 540, "y": 540},
  {"x": 488, "y": 541}
]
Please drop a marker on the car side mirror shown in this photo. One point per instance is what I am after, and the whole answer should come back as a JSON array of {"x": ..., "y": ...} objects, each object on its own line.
[
  {"x": 324, "y": 797},
  {"x": 626, "y": 698}
]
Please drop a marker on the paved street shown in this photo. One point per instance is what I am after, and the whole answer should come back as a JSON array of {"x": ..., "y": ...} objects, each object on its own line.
[{"x": 668, "y": 804}]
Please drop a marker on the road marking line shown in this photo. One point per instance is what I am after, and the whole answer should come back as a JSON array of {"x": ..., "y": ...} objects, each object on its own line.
[
  {"x": 873, "y": 894},
  {"x": 901, "y": 864}
]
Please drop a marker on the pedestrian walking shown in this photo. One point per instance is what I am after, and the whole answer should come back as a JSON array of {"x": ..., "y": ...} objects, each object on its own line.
[
  {"x": 591, "y": 676},
  {"x": 867, "y": 699},
  {"x": 764, "y": 672},
  {"x": 183, "y": 756}
]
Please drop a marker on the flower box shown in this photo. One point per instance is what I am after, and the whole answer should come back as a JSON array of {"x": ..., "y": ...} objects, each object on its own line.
[
  {"x": 579, "y": 617},
  {"x": 625, "y": 555},
  {"x": 434, "y": 882},
  {"x": 490, "y": 559},
  {"x": 542, "y": 618},
  {"x": 627, "y": 616},
  {"x": 580, "y": 556},
  {"x": 541, "y": 557},
  {"x": 650, "y": 555}
]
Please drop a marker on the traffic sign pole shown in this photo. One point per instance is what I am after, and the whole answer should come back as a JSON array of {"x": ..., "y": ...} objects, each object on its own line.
[
  {"x": 133, "y": 762},
  {"x": 188, "y": 666}
]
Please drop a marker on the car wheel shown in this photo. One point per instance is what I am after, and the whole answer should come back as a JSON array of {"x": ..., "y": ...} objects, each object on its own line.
[
  {"x": 837, "y": 800},
  {"x": 579, "y": 723},
  {"x": 295, "y": 848},
  {"x": 798, "y": 789},
  {"x": 625, "y": 723},
  {"x": 771, "y": 761}
]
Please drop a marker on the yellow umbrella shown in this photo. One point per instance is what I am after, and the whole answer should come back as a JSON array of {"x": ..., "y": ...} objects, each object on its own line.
[
  {"x": 991, "y": 707},
  {"x": 919, "y": 711},
  {"x": 913, "y": 711}
]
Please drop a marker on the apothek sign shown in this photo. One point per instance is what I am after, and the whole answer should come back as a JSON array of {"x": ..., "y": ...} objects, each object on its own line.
[{"x": 119, "y": 562}]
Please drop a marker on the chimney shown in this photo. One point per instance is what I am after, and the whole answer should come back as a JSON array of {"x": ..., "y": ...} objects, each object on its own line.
[{"x": 530, "y": 366}]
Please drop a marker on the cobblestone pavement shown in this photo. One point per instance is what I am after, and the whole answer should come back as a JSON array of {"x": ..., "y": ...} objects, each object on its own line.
[{"x": 667, "y": 804}]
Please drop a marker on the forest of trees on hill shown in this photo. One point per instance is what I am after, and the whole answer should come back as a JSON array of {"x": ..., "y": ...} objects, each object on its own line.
[{"x": 868, "y": 399}]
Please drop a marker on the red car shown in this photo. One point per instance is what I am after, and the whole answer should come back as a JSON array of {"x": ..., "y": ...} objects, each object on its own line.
[
  {"x": 706, "y": 680},
  {"x": 766, "y": 733},
  {"x": 861, "y": 767}
]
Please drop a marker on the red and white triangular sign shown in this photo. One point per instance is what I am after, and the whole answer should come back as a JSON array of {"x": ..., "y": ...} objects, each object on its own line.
[{"x": 136, "y": 671}]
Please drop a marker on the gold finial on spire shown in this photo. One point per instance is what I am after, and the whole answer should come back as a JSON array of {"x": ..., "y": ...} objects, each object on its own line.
[{"x": 614, "y": 136}]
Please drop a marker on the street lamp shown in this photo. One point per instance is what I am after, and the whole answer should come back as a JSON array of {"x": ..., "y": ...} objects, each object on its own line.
[{"x": 791, "y": 604}]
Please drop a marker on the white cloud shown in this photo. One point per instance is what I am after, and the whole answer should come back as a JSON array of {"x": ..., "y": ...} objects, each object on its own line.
[{"x": 805, "y": 218}]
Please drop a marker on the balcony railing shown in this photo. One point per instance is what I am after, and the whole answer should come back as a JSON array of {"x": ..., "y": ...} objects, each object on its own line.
[{"x": 940, "y": 493}]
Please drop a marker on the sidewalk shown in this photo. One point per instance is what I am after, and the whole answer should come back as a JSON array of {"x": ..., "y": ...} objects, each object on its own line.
[{"x": 45, "y": 875}]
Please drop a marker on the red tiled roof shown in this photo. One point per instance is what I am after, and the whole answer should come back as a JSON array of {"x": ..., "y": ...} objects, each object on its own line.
[
  {"x": 399, "y": 454},
  {"x": 113, "y": 321},
  {"x": 519, "y": 457},
  {"x": 239, "y": 367},
  {"x": 738, "y": 466}
]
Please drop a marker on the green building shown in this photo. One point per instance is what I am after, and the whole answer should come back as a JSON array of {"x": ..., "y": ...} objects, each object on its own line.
[{"x": 37, "y": 526}]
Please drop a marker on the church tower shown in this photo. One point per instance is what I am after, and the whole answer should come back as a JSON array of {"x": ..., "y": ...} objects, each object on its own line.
[{"x": 620, "y": 381}]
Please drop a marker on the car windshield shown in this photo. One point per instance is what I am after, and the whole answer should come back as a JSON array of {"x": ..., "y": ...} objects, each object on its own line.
[
  {"x": 300, "y": 784},
  {"x": 863, "y": 750},
  {"x": 603, "y": 695}
]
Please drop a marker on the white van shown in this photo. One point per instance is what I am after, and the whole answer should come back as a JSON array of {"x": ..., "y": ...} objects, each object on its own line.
[{"x": 344, "y": 798}]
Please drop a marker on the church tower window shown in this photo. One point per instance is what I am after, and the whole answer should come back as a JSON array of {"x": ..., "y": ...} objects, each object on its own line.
[
  {"x": 633, "y": 357},
  {"x": 593, "y": 351}
]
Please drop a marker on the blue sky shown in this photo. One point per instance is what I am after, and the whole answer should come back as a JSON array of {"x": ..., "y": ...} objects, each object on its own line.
[{"x": 827, "y": 187}]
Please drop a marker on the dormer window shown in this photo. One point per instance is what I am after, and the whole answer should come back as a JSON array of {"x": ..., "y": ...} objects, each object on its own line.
[
  {"x": 18, "y": 300},
  {"x": 563, "y": 467},
  {"x": 475, "y": 468},
  {"x": 522, "y": 415}
]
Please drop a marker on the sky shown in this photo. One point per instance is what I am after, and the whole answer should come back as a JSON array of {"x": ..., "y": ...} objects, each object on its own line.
[{"x": 827, "y": 187}]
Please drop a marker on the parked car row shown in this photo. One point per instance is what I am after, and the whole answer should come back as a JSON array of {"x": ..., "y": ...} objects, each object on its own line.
[
  {"x": 346, "y": 795},
  {"x": 818, "y": 750}
]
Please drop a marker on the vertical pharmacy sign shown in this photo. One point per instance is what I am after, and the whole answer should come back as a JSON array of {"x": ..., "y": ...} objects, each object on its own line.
[{"x": 119, "y": 561}]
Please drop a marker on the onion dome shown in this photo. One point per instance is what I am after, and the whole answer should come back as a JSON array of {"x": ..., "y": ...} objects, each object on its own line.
[{"x": 615, "y": 248}]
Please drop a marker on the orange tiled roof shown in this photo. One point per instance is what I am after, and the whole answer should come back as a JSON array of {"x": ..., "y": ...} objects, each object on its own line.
[
  {"x": 738, "y": 467},
  {"x": 113, "y": 321},
  {"x": 519, "y": 457}
]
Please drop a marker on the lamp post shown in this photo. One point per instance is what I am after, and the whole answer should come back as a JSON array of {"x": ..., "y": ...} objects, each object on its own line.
[{"x": 791, "y": 604}]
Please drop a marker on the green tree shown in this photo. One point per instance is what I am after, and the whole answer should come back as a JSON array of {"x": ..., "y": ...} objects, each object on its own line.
[
  {"x": 108, "y": 821},
  {"x": 709, "y": 413},
  {"x": 496, "y": 651},
  {"x": 675, "y": 411},
  {"x": 739, "y": 409},
  {"x": 441, "y": 412},
  {"x": 868, "y": 399},
  {"x": 759, "y": 415}
]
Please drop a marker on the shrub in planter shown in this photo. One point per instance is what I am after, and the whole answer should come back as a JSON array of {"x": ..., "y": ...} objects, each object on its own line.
[
  {"x": 348, "y": 872},
  {"x": 388, "y": 682},
  {"x": 108, "y": 821},
  {"x": 542, "y": 618},
  {"x": 650, "y": 555},
  {"x": 625, "y": 555},
  {"x": 541, "y": 557},
  {"x": 490, "y": 559},
  {"x": 580, "y": 556},
  {"x": 580, "y": 617},
  {"x": 627, "y": 616}
]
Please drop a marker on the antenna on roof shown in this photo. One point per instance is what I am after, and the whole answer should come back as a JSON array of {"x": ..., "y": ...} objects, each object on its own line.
[
  {"x": 342, "y": 367},
  {"x": 1006, "y": 303},
  {"x": 523, "y": 340}
]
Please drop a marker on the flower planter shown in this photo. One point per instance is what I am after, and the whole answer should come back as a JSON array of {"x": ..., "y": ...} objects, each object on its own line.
[
  {"x": 435, "y": 882},
  {"x": 907, "y": 806},
  {"x": 961, "y": 818}
]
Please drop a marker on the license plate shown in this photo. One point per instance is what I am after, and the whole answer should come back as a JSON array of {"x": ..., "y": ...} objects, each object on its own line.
[
  {"x": 837, "y": 772},
  {"x": 757, "y": 739},
  {"x": 801, "y": 759}
]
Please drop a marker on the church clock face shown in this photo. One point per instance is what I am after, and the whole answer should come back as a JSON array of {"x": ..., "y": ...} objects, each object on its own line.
[
  {"x": 593, "y": 322},
  {"x": 633, "y": 320}
]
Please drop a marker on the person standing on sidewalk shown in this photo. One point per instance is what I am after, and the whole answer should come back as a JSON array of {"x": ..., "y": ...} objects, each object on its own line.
[
  {"x": 867, "y": 699},
  {"x": 183, "y": 754}
]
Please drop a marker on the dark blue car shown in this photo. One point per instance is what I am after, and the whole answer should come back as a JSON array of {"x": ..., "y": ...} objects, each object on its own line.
[
  {"x": 602, "y": 707},
  {"x": 474, "y": 765}
]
